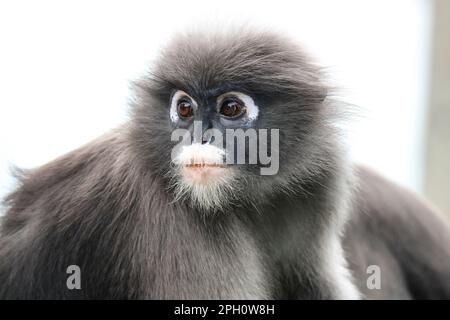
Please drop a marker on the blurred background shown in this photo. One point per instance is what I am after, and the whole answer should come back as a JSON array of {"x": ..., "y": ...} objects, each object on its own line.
[{"x": 65, "y": 67}]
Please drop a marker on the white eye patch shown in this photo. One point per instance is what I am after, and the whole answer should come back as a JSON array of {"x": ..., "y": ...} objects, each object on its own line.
[
  {"x": 174, "y": 103},
  {"x": 252, "y": 109}
]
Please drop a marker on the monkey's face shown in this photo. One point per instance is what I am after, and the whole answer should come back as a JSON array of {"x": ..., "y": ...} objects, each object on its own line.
[
  {"x": 229, "y": 119},
  {"x": 206, "y": 157}
]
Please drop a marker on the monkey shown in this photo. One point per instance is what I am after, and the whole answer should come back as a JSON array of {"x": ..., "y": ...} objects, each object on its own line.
[{"x": 157, "y": 209}]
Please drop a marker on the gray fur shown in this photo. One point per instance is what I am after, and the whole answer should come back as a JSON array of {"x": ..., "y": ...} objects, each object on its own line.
[{"x": 108, "y": 206}]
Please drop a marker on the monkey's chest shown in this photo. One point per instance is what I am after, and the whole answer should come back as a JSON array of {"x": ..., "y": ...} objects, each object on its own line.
[{"x": 195, "y": 265}]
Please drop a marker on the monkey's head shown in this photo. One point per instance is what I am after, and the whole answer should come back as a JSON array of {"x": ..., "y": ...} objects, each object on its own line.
[{"x": 232, "y": 118}]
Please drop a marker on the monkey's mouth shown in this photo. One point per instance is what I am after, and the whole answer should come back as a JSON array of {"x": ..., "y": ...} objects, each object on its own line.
[
  {"x": 204, "y": 165},
  {"x": 204, "y": 173}
]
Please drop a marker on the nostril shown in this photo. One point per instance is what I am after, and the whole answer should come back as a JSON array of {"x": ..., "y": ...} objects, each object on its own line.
[{"x": 206, "y": 139}]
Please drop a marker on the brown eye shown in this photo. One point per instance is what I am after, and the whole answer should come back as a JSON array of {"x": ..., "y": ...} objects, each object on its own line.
[
  {"x": 184, "y": 109},
  {"x": 231, "y": 108}
]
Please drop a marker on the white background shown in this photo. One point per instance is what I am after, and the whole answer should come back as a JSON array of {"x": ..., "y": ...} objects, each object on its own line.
[{"x": 65, "y": 66}]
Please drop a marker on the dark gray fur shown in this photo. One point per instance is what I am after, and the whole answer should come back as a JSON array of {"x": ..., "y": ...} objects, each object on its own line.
[{"x": 108, "y": 206}]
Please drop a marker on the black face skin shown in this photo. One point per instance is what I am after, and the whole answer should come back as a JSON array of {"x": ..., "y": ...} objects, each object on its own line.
[{"x": 109, "y": 208}]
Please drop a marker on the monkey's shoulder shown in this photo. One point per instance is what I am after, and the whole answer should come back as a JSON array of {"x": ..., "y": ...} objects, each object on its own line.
[
  {"x": 397, "y": 230},
  {"x": 382, "y": 201},
  {"x": 84, "y": 179}
]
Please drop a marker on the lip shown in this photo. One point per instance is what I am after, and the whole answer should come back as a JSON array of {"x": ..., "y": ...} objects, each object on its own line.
[{"x": 204, "y": 165}]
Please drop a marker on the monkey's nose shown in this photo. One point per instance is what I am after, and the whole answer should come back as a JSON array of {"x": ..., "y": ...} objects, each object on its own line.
[{"x": 206, "y": 137}]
